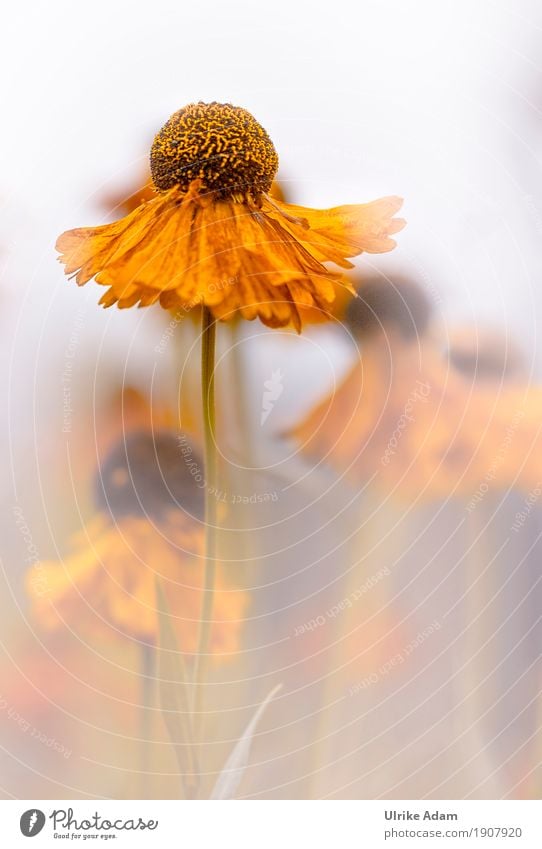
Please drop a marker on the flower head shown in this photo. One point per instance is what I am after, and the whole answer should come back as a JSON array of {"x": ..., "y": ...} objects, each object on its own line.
[
  {"x": 144, "y": 475},
  {"x": 416, "y": 426},
  {"x": 147, "y": 524},
  {"x": 407, "y": 419},
  {"x": 213, "y": 235},
  {"x": 106, "y": 585}
]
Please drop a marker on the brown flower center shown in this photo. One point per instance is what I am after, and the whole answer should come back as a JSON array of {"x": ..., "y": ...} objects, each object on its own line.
[
  {"x": 148, "y": 474},
  {"x": 219, "y": 144}
]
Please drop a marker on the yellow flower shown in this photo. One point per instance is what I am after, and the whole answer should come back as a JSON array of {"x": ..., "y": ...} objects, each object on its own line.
[{"x": 214, "y": 236}]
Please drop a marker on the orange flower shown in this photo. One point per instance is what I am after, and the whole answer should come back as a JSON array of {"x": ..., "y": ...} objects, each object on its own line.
[
  {"x": 354, "y": 428},
  {"x": 213, "y": 235},
  {"x": 124, "y": 202},
  {"x": 107, "y": 584},
  {"x": 351, "y": 427},
  {"x": 336, "y": 310},
  {"x": 149, "y": 496},
  {"x": 417, "y": 427}
]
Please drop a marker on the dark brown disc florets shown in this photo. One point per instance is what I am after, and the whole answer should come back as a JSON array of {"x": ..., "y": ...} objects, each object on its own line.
[
  {"x": 144, "y": 475},
  {"x": 382, "y": 304}
]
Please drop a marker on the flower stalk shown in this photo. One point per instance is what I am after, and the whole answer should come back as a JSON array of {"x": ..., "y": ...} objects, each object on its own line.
[{"x": 208, "y": 336}]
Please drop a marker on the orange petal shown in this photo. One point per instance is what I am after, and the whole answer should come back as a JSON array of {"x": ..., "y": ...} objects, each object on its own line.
[{"x": 343, "y": 231}]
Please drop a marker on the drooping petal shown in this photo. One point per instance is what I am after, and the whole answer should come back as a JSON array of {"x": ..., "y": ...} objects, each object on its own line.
[{"x": 185, "y": 250}]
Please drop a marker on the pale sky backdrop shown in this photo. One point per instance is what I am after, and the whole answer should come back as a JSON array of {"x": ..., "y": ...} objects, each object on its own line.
[{"x": 436, "y": 101}]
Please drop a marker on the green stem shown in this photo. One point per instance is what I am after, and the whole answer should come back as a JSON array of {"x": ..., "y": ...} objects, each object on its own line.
[{"x": 208, "y": 327}]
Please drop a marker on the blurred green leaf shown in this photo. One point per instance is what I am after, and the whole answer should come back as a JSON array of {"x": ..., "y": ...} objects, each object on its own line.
[
  {"x": 174, "y": 697},
  {"x": 230, "y": 777}
]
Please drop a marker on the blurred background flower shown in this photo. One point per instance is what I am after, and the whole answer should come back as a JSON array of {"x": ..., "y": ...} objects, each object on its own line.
[{"x": 147, "y": 525}]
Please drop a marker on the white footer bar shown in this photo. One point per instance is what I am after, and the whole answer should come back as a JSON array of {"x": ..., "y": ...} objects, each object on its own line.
[{"x": 272, "y": 824}]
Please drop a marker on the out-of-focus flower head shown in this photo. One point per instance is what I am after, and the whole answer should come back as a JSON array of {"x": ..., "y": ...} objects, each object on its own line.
[
  {"x": 149, "y": 495},
  {"x": 349, "y": 427},
  {"x": 366, "y": 305},
  {"x": 384, "y": 305},
  {"x": 145, "y": 474},
  {"x": 214, "y": 236},
  {"x": 408, "y": 420}
]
